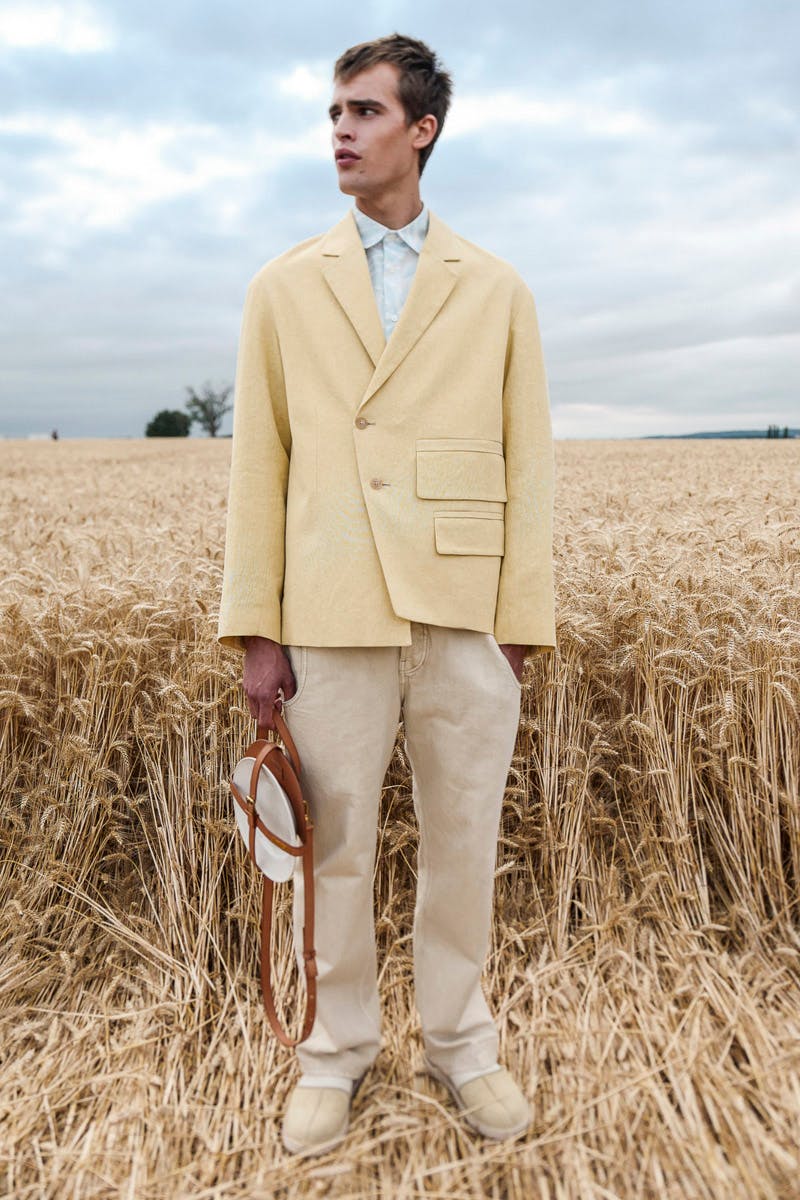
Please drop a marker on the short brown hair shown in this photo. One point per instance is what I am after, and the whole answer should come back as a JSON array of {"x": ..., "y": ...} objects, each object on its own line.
[{"x": 423, "y": 87}]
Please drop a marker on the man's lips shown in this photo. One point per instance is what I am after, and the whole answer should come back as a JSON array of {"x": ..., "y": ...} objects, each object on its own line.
[{"x": 347, "y": 156}]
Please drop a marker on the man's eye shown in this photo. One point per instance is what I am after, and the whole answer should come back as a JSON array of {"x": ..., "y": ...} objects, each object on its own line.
[{"x": 367, "y": 109}]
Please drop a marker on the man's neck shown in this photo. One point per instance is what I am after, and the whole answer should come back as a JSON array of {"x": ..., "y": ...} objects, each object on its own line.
[{"x": 395, "y": 212}]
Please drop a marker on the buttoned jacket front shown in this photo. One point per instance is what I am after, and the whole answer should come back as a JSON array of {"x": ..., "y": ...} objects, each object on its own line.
[{"x": 376, "y": 483}]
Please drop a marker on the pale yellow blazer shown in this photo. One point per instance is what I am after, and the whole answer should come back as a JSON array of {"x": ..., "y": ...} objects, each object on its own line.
[{"x": 376, "y": 483}]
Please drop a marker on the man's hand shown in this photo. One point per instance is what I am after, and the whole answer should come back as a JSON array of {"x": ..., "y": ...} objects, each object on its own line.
[
  {"x": 515, "y": 655},
  {"x": 266, "y": 668}
]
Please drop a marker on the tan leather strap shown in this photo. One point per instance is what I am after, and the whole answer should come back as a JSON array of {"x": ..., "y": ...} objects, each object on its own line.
[
  {"x": 286, "y": 770},
  {"x": 309, "y": 953},
  {"x": 285, "y": 736}
]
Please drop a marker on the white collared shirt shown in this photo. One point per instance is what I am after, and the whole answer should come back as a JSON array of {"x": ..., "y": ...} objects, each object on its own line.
[{"x": 392, "y": 256}]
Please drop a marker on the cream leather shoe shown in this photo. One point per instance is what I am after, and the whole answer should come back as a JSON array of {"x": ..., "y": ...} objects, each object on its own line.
[
  {"x": 316, "y": 1119},
  {"x": 493, "y": 1103}
]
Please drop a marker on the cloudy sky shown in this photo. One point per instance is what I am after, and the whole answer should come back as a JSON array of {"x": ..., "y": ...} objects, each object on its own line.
[{"x": 637, "y": 162}]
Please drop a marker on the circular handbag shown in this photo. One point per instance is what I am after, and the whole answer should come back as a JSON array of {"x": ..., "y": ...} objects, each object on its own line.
[{"x": 272, "y": 818}]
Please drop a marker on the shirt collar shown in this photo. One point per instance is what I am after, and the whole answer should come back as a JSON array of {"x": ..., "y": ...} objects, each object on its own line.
[{"x": 372, "y": 232}]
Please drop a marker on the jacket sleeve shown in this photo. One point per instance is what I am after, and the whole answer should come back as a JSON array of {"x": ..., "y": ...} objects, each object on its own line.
[
  {"x": 252, "y": 582},
  {"x": 525, "y": 613}
]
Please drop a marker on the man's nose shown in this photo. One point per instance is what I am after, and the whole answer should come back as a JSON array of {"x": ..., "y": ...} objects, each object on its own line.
[{"x": 342, "y": 130}]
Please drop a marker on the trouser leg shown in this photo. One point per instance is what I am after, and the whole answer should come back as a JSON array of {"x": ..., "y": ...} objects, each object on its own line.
[
  {"x": 343, "y": 718},
  {"x": 461, "y": 713}
]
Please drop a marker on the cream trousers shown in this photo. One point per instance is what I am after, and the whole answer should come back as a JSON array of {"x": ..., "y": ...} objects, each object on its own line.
[{"x": 460, "y": 704}]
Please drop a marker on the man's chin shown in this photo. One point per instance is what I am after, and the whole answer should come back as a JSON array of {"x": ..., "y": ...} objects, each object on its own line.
[
  {"x": 352, "y": 185},
  {"x": 348, "y": 186}
]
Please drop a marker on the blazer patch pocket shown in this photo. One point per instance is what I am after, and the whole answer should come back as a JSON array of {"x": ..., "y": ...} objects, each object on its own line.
[
  {"x": 464, "y": 532},
  {"x": 460, "y": 469}
]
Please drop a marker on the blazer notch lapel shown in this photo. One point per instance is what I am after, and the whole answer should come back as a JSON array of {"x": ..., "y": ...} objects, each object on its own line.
[
  {"x": 345, "y": 268},
  {"x": 346, "y": 271},
  {"x": 432, "y": 283}
]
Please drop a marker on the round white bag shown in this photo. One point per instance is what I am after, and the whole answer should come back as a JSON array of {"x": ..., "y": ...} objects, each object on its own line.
[{"x": 275, "y": 810}]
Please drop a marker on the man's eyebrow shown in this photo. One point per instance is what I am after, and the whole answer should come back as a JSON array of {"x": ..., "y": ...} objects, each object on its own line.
[{"x": 357, "y": 104}]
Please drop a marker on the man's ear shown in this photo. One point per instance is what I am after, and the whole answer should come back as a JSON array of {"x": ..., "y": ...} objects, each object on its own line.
[{"x": 426, "y": 131}]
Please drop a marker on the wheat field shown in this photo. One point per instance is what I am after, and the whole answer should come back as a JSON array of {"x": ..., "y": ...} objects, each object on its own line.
[{"x": 644, "y": 966}]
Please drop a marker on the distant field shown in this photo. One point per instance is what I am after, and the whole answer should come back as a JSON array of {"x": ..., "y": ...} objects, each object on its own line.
[{"x": 645, "y": 966}]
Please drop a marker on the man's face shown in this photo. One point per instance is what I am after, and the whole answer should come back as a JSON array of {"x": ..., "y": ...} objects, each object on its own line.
[{"x": 375, "y": 150}]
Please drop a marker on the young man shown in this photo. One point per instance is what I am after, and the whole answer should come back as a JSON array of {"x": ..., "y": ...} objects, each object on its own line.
[{"x": 389, "y": 551}]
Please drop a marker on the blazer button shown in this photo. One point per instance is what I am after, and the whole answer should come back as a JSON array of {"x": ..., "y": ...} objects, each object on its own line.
[
  {"x": 376, "y": 483},
  {"x": 362, "y": 422}
]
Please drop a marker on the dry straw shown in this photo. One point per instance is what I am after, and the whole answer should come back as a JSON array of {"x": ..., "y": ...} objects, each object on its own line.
[{"x": 644, "y": 965}]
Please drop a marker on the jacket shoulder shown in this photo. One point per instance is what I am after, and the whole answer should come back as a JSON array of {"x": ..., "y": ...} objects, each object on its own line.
[
  {"x": 288, "y": 262},
  {"x": 477, "y": 257}
]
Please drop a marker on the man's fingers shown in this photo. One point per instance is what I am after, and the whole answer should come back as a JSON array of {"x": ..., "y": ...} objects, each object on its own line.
[
  {"x": 266, "y": 717},
  {"x": 260, "y": 708},
  {"x": 263, "y": 696}
]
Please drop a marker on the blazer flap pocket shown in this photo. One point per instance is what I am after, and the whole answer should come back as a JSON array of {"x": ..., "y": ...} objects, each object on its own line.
[
  {"x": 460, "y": 469},
  {"x": 465, "y": 532}
]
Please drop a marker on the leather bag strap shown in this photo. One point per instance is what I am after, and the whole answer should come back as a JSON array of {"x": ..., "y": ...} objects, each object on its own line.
[
  {"x": 286, "y": 770},
  {"x": 285, "y": 737},
  {"x": 309, "y": 953}
]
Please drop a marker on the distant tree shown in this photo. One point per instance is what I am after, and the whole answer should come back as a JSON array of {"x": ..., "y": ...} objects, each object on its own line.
[
  {"x": 209, "y": 407},
  {"x": 786, "y": 431},
  {"x": 170, "y": 422}
]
